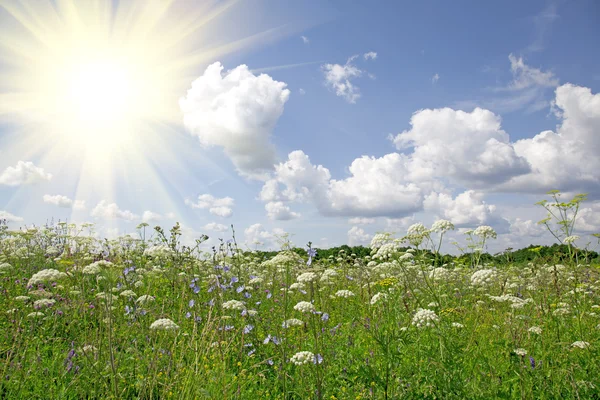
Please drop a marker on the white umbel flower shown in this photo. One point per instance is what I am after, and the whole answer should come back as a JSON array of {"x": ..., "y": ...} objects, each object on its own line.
[
  {"x": 164, "y": 324},
  {"x": 580, "y": 344},
  {"x": 535, "y": 329},
  {"x": 145, "y": 299},
  {"x": 442, "y": 226},
  {"x": 520, "y": 352},
  {"x": 46, "y": 275},
  {"x": 304, "y": 306},
  {"x": 234, "y": 305},
  {"x": 425, "y": 318},
  {"x": 303, "y": 357},
  {"x": 571, "y": 239},
  {"x": 344, "y": 293},
  {"x": 378, "y": 297},
  {"x": 307, "y": 277},
  {"x": 292, "y": 322},
  {"x": 485, "y": 231},
  {"x": 483, "y": 277}
]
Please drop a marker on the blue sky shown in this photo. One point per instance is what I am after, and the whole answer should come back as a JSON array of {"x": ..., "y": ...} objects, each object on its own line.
[{"x": 358, "y": 117}]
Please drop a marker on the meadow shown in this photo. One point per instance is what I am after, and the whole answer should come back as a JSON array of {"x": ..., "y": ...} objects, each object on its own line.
[{"x": 145, "y": 317}]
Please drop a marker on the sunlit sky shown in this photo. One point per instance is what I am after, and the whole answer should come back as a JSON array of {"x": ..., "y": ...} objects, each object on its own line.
[{"x": 328, "y": 120}]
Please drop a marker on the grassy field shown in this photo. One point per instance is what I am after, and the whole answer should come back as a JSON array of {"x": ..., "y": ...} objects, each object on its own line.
[{"x": 133, "y": 318}]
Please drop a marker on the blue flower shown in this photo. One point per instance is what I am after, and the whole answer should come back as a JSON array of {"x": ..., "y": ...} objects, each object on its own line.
[
  {"x": 325, "y": 317},
  {"x": 191, "y": 303},
  {"x": 188, "y": 314},
  {"x": 318, "y": 359},
  {"x": 240, "y": 289},
  {"x": 248, "y": 329}
]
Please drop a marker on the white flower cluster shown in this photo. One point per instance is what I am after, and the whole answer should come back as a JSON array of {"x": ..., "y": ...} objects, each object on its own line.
[
  {"x": 535, "y": 329},
  {"x": 327, "y": 275},
  {"x": 305, "y": 307},
  {"x": 292, "y": 322},
  {"x": 439, "y": 274},
  {"x": 158, "y": 251},
  {"x": 424, "y": 318},
  {"x": 307, "y": 277},
  {"x": 380, "y": 239},
  {"x": 234, "y": 305},
  {"x": 387, "y": 250},
  {"x": 303, "y": 357},
  {"x": 46, "y": 275},
  {"x": 284, "y": 257},
  {"x": 580, "y": 344},
  {"x": 44, "y": 303},
  {"x": 145, "y": 299},
  {"x": 516, "y": 302},
  {"x": 571, "y": 239},
  {"x": 416, "y": 229},
  {"x": 164, "y": 324},
  {"x": 297, "y": 286},
  {"x": 344, "y": 293},
  {"x": 96, "y": 267},
  {"x": 442, "y": 226},
  {"x": 378, "y": 297},
  {"x": 128, "y": 293},
  {"x": 255, "y": 281},
  {"x": 520, "y": 352},
  {"x": 5, "y": 267},
  {"x": 485, "y": 231},
  {"x": 483, "y": 277}
]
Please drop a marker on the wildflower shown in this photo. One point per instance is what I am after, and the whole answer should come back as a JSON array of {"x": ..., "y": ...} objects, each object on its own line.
[
  {"x": 164, "y": 324},
  {"x": 292, "y": 322},
  {"x": 35, "y": 315},
  {"x": 145, "y": 299},
  {"x": 297, "y": 286},
  {"x": 128, "y": 293},
  {"x": 303, "y": 357},
  {"x": 457, "y": 325},
  {"x": 311, "y": 253},
  {"x": 483, "y": 277},
  {"x": 22, "y": 298},
  {"x": 88, "y": 348},
  {"x": 377, "y": 297},
  {"x": 442, "y": 226},
  {"x": 535, "y": 329},
  {"x": 344, "y": 293},
  {"x": 234, "y": 305},
  {"x": 43, "y": 303},
  {"x": 325, "y": 317},
  {"x": 580, "y": 344},
  {"x": 571, "y": 239},
  {"x": 191, "y": 303},
  {"x": 248, "y": 329},
  {"x": 424, "y": 318},
  {"x": 304, "y": 306},
  {"x": 46, "y": 275},
  {"x": 520, "y": 352},
  {"x": 485, "y": 231},
  {"x": 307, "y": 277}
]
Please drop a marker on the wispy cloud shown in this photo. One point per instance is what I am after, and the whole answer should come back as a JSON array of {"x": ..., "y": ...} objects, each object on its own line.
[
  {"x": 339, "y": 77},
  {"x": 435, "y": 78},
  {"x": 305, "y": 40},
  {"x": 542, "y": 23}
]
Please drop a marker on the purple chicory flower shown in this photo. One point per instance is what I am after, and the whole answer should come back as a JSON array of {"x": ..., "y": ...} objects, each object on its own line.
[
  {"x": 318, "y": 359},
  {"x": 188, "y": 314},
  {"x": 191, "y": 303},
  {"x": 311, "y": 253},
  {"x": 325, "y": 317},
  {"x": 248, "y": 329}
]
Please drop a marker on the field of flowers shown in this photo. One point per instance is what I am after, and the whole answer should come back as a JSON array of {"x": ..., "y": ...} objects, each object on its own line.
[{"x": 139, "y": 318}]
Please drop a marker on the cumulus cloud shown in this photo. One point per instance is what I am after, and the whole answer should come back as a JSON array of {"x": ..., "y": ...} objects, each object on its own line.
[
  {"x": 468, "y": 147},
  {"x": 221, "y": 207},
  {"x": 64, "y": 201},
  {"x": 5, "y": 215},
  {"x": 257, "y": 236},
  {"x": 237, "y": 111},
  {"x": 215, "y": 227},
  {"x": 150, "y": 216},
  {"x": 24, "y": 173},
  {"x": 361, "y": 221},
  {"x": 357, "y": 236},
  {"x": 526, "y": 228},
  {"x": 466, "y": 209},
  {"x": 107, "y": 210},
  {"x": 276, "y": 210},
  {"x": 339, "y": 78},
  {"x": 588, "y": 218},
  {"x": 525, "y": 77},
  {"x": 568, "y": 158}
]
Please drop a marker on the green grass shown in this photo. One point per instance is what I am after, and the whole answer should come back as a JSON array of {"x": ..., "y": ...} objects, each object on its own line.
[{"x": 94, "y": 342}]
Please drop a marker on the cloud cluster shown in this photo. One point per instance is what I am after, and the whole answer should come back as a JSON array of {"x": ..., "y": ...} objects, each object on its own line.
[
  {"x": 237, "y": 111},
  {"x": 357, "y": 236},
  {"x": 257, "y": 236},
  {"x": 64, "y": 201},
  {"x": 5, "y": 215},
  {"x": 107, "y": 210},
  {"x": 221, "y": 207},
  {"x": 24, "y": 173},
  {"x": 339, "y": 77}
]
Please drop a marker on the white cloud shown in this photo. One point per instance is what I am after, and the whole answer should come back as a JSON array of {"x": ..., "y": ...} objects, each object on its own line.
[
  {"x": 302, "y": 91},
  {"x": 215, "y": 227},
  {"x": 5, "y": 215},
  {"x": 525, "y": 77},
  {"x": 25, "y": 172},
  {"x": 361, "y": 221},
  {"x": 338, "y": 78},
  {"x": 64, "y": 201},
  {"x": 112, "y": 211},
  {"x": 371, "y": 55},
  {"x": 221, "y": 207},
  {"x": 305, "y": 40},
  {"x": 237, "y": 111},
  {"x": 276, "y": 210},
  {"x": 526, "y": 228},
  {"x": 357, "y": 236},
  {"x": 257, "y": 236},
  {"x": 435, "y": 78},
  {"x": 588, "y": 218},
  {"x": 466, "y": 209},
  {"x": 568, "y": 158},
  {"x": 470, "y": 148},
  {"x": 150, "y": 216}
]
